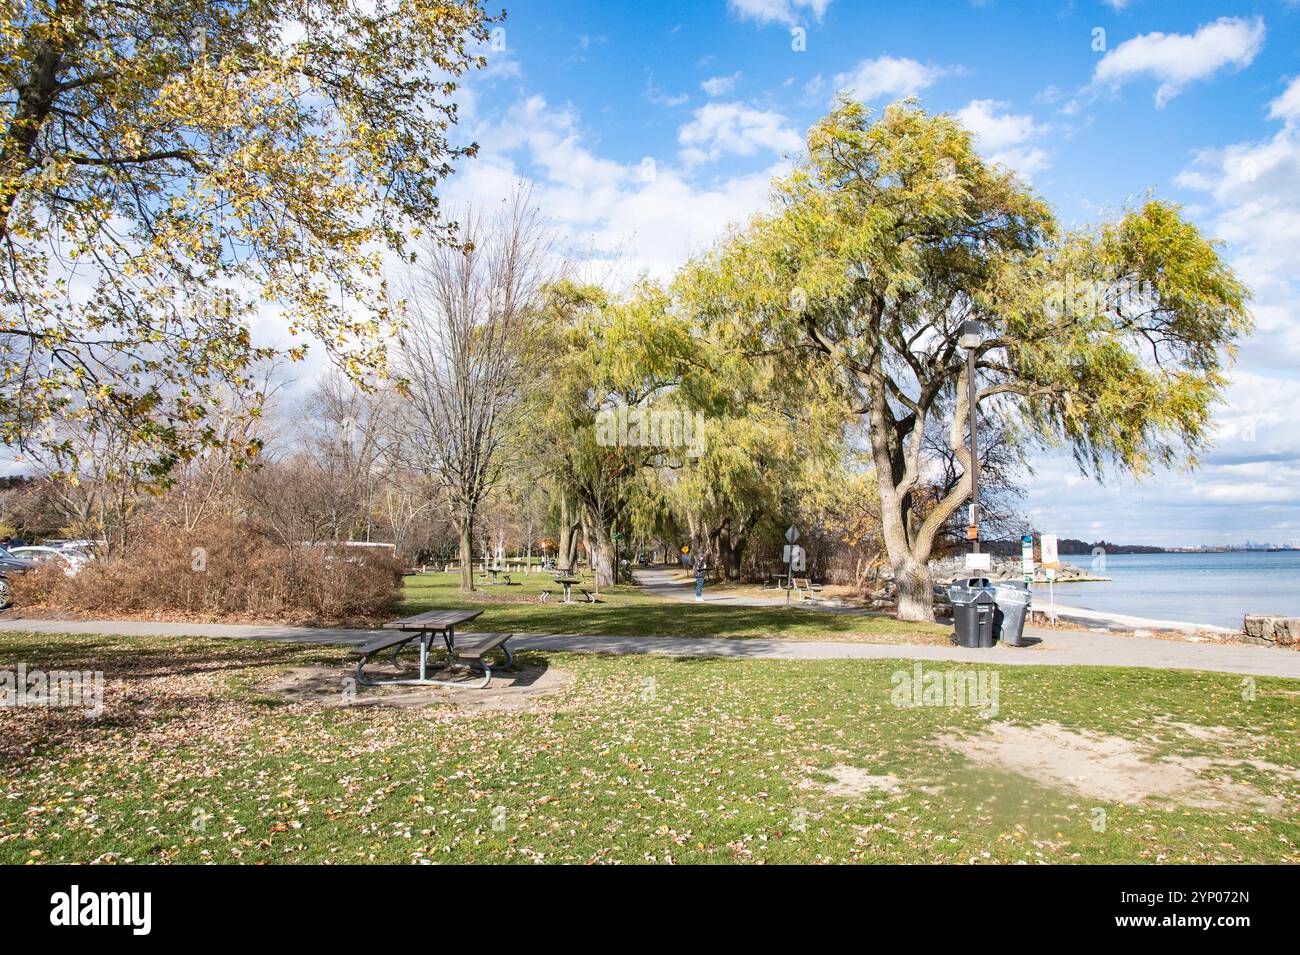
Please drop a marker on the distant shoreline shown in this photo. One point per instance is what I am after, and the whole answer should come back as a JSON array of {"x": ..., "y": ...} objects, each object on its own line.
[{"x": 1013, "y": 549}]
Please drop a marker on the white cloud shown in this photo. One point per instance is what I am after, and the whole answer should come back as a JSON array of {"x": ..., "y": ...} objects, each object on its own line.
[
  {"x": 1255, "y": 470},
  {"x": 1287, "y": 106},
  {"x": 720, "y": 129},
  {"x": 1258, "y": 206},
  {"x": 994, "y": 131},
  {"x": 887, "y": 76},
  {"x": 628, "y": 218},
  {"x": 720, "y": 85},
  {"x": 1004, "y": 137},
  {"x": 1177, "y": 59},
  {"x": 788, "y": 12},
  {"x": 660, "y": 97}
]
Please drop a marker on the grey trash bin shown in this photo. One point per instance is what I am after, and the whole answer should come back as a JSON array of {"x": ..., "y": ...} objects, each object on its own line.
[
  {"x": 1013, "y": 603},
  {"x": 973, "y": 608}
]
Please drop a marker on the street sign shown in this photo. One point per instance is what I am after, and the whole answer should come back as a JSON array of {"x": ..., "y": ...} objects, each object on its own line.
[
  {"x": 797, "y": 557},
  {"x": 686, "y": 548},
  {"x": 980, "y": 561},
  {"x": 1027, "y": 555},
  {"x": 1051, "y": 561},
  {"x": 1047, "y": 543},
  {"x": 792, "y": 534}
]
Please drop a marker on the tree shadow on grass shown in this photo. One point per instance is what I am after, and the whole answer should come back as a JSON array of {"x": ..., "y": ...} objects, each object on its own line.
[{"x": 627, "y": 611}]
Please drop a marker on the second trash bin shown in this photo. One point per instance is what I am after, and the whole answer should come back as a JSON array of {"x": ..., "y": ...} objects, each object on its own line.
[
  {"x": 973, "y": 608},
  {"x": 1013, "y": 602}
]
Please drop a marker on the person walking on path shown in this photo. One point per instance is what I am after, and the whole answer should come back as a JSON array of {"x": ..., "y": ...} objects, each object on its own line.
[{"x": 700, "y": 567}]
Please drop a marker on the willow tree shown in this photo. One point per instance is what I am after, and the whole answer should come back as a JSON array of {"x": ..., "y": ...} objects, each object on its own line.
[
  {"x": 612, "y": 363},
  {"x": 765, "y": 434},
  {"x": 164, "y": 163},
  {"x": 892, "y": 232}
]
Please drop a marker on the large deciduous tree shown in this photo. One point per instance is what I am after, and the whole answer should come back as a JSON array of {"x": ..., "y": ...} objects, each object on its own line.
[
  {"x": 612, "y": 410},
  {"x": 162, "y": 162},
  {"x": 891, "y": 232},
  {"x": 466, "y": 352}
]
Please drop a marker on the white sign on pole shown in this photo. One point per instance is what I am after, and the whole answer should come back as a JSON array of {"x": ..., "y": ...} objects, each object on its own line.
[
  {"x": 981, "y": 561},
  {"x": 797, "y": 561},
  {"x": 785, "y": 553},
  {"x": 1048, "y": 545},
  {"x": 792, "y": 534}
]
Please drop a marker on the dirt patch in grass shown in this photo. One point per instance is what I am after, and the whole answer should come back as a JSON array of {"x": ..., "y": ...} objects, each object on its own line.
[
  {"x": 1113, "y": 768},
  {"x": 854, "y": 781},
  {"x": 332, "y": 687}
]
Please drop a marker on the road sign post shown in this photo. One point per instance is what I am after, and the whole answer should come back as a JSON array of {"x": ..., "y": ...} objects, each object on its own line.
[
  {"x": 1051, "y": 561},
  {"x": 789, "y": 554}
]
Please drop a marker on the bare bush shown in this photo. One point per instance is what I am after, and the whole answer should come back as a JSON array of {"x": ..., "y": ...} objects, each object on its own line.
[{"x": 232, "y": 572}]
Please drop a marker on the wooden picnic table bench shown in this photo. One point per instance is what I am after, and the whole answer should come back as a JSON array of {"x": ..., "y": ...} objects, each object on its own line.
[
  {"x": 567, "y": 583},
  {"x": 805, "y": 588},
  {"x": 472, "y": 650}
]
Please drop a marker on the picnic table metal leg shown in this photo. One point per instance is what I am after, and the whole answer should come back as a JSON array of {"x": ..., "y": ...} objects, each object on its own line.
[{"x": 424, "y": 654}]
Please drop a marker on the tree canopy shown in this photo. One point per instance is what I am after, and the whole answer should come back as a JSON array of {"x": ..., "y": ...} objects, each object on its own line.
[
  {"x": 164, "y": 167},
  {"x": 892, "y": 232}
]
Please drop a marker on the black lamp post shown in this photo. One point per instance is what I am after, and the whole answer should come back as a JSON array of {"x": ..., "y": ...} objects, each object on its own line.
[{"x": 972, "y": 334}]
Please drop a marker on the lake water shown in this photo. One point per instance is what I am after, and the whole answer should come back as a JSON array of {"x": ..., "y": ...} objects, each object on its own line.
[{"x": 1216, "y": 589}]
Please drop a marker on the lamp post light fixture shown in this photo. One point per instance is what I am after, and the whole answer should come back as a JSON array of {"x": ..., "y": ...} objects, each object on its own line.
[{"x": 972, "y": 335}]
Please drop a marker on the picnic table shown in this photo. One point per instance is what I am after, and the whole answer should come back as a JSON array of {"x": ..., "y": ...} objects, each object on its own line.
[
  {"x": 567, "y": 583},
  {"x": 424, "y": 627}
]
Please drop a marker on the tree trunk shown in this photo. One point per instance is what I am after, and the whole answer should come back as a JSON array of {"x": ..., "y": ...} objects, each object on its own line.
[
  {"x": 602, "y": 559},
  {"x": 466, "y": 558},
  {"x": 915, "y": 590},
  {"x": 731, "y": 541},
  {"x": 566, "y": 554}
]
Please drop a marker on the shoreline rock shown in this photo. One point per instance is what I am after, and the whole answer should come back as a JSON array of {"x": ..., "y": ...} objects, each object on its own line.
[{"x": 1267, "y": 630}]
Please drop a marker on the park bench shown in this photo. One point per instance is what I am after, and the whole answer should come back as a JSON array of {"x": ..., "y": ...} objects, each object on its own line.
[
  {"x": 544, "y": 597},
  {"x": 471, "y": 650},
  {"x": 805, "y": 588}
]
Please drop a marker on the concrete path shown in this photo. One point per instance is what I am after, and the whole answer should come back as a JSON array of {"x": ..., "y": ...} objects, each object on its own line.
[{"x": 1057, "y": 648}]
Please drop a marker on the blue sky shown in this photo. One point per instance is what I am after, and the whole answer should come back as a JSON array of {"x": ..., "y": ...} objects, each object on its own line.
[{"x": 645, "y": 128}]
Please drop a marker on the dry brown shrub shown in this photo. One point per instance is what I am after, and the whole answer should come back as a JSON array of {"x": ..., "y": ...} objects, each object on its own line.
[{"x": 227, "y": 572}]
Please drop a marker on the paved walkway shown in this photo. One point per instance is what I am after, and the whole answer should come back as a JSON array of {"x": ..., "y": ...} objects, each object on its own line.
[{"x": 1057, "y": 648}]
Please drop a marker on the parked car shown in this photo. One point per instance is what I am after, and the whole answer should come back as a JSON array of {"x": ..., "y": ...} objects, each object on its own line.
[
  {"x": 69, "y": 560},
  {"x": 10, "y": 567}
]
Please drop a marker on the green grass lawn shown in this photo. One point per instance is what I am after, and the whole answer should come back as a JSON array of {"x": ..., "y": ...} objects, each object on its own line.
[
  {"x": 627, "y": 609},
  {"x": 641, "y": 759}
]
